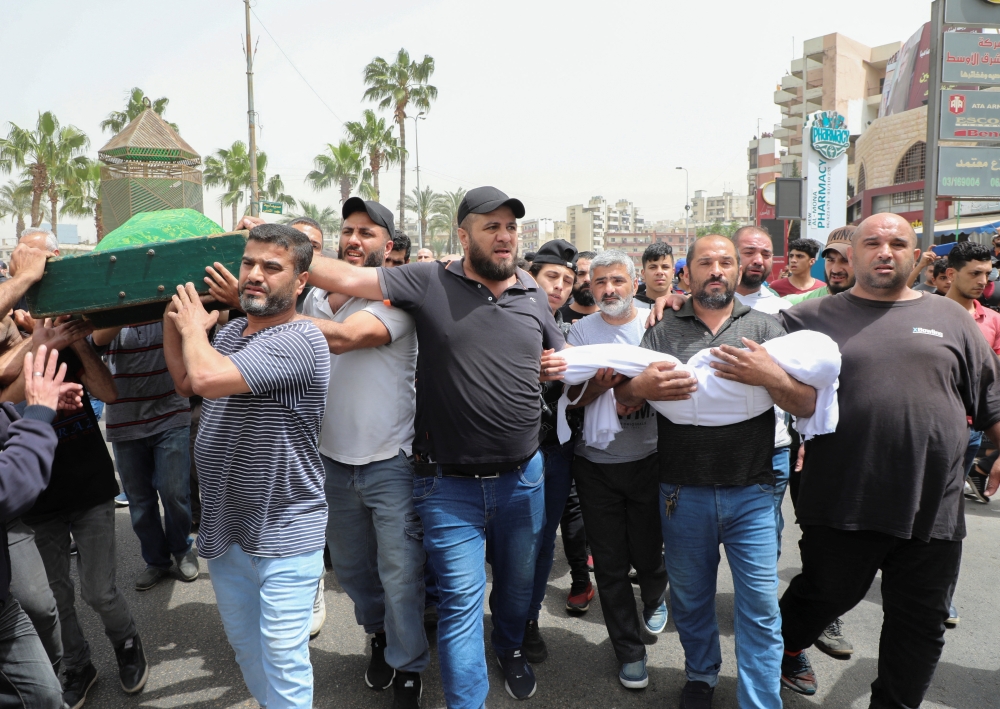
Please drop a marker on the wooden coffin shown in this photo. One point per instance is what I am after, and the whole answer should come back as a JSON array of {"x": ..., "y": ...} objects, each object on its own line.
[{"x": 132, "y": 284}]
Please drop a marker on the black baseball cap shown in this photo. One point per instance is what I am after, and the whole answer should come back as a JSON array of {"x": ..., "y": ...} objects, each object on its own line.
[
  {"x": 378, "y": 213},
  {"x": 483, "y": 200},
  {"x": 557, "y": 251}
]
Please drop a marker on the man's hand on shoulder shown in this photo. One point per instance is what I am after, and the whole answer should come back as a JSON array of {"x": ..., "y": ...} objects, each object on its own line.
[{"x": 671, "y": 301}]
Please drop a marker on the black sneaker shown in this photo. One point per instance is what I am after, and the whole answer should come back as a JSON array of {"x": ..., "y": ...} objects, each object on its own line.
[
  {"x": 977, "y": 482},
  {"x": 697, "y": 695},
  {"x": 797, "y": 674},
  {"x": 533, "y": 643},
  {"x": 406, "y": 690},
  {"x": 379, "y": 675},
  {"x": 76, "y": 683},
  {"x": 519, "y": 679},
  {"x": 132, "y": 668}
]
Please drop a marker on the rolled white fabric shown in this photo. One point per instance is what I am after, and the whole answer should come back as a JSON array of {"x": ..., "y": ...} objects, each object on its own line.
[{"x": 810, "y": 357}]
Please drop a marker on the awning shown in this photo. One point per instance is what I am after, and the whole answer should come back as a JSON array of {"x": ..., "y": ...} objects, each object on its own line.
[{"x": 978, "y": 224}]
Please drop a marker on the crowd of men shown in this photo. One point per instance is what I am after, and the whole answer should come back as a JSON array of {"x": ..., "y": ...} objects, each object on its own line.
[{"x": 398, "y": 423}]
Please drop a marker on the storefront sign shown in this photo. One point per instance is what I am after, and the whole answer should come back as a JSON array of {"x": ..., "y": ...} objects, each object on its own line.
[
  {"x": 968, "y": 172},
  {"x": 976, "y": 13},
  {"x": 970, "y": 115},
  {"x": 826, "y": 175},
  {"x": 971, "y": 58}
]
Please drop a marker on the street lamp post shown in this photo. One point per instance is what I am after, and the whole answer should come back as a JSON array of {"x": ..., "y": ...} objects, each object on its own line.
[
  {"x": 687, "y": 209},
  {"x": 416, "y": 149}
]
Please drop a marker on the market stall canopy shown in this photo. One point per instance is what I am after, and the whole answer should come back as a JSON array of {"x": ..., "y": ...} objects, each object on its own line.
[
  {"x": 979, "y": 224},
  {"x": 148, "y": 138}
]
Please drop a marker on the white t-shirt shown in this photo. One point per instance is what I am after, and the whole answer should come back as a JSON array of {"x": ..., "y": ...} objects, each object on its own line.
[{"x": 371, "y": 400}]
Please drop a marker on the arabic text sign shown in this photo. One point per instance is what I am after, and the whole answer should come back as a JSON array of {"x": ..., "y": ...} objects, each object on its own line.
[
  {"x": 971, "y": 59},
  {"x": 270, "y": 207},
  {"x": 970, "y": 115},
  {"x": 969, "y": 172}
]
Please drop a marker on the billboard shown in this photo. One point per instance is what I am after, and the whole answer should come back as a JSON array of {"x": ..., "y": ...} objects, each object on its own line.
[
  {"x": 907, "y": 75},
  {"x": 971, "y": 58},
  {"x": 970, "y": 115},
  {"x": 968, "y": 172}
]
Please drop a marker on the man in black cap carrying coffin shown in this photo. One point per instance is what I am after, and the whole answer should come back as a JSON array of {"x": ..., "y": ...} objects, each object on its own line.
[{"x": 482, "y": 325}]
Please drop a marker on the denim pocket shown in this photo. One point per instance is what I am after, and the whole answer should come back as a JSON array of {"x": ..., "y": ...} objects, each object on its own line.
[
  {"x": 765, "y": 488},
  {"x": 533, "y": 472},
  {"x": 423, "y": 487}
]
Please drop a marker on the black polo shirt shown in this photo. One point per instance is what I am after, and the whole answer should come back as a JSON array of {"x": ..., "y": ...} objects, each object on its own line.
[{"x": 478, "y": 397}]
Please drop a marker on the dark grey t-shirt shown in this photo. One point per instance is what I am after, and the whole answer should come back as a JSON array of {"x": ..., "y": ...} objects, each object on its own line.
[
  {"x": 738, "y": 454},
  {"x": 478, "y": 396},
  {"x": 912, "y": 371}
]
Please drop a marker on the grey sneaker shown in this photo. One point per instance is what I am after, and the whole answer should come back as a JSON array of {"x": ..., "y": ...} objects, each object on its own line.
[
  {"x": 187, "y": 566},
  {"x": 833, "y": 642},
  {"x": 319, "y": 611},
  {"x": 150, "y": 577}
]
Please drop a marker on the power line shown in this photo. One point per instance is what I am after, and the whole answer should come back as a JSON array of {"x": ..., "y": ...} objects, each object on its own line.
[{"x": 285, "y": 55}]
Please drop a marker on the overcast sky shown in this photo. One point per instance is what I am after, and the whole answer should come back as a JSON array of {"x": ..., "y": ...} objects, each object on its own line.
[{"x": 552, "y": 102}]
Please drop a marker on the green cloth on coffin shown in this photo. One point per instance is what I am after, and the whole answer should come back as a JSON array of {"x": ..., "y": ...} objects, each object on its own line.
[{"x": 164, "y": 225}]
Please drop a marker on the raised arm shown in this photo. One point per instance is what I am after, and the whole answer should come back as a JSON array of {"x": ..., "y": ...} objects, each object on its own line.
[
  {"x": 338, "y": 276},
  {"x": 95, "y": 374},
  {"x": 361, "y": 330},
  {"x": 201, "y": 369}
]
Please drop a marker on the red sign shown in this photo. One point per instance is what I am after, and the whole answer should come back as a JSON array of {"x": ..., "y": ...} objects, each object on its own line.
[{"x": 957, "y": 104}]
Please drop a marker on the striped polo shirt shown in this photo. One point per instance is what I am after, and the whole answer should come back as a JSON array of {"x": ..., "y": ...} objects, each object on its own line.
[
  {"x": 259, "y": 467},
  {"x": 147, "y": 402}
]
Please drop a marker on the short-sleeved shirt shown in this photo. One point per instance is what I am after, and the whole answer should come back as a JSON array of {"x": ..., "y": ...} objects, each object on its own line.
[
  {"x": 784, "y": 287},
  {"x": 259, "y": 467},
  {"x": 989, "y": 324},
  {"x": 83, "y": 474},
  {"x": 737, "y": 454},
  {"x": 371, "y": 399},
  {"x": 912, "y": 371},
  {"x": 147, "y": 403},
  {"x": 811, "y": 295},
  {"x": 637, "y": 439},
  {"x": 478, "y": 398}
]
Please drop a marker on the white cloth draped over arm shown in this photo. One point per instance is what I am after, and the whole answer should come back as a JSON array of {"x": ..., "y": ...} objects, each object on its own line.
[{"x": 810, "y": 357}]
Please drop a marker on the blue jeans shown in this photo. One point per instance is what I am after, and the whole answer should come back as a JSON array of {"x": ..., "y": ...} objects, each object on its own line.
[
  {"x": 154, "y": 470},
  {"x": 376, "y": 546},
  {"x": 558, "y": 461},
  {"x": 266, "y": 608},
  {"x": 781, "y": 464},
  {"x": 975, "y": 440},
  {"x": 742, "y": 519},
  {"x": 464, "y": 519}
]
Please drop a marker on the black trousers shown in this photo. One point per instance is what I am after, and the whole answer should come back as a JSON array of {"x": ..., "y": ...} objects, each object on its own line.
[
  {"x": 574, "y": 539},
  {"x": 621, "y": 509},
  {"x": 838, "y": 568}
]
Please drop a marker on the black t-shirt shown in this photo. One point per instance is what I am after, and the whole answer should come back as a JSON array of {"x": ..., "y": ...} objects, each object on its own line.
[
  {"x": 569, "y": 315},
  {"x": 478, "y": 402},
  {"x": 82, "y": 472},
  {"x": 912, "y": 371}
]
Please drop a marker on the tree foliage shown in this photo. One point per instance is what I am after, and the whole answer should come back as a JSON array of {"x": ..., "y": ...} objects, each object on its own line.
[{"x": 135, "y": 104}]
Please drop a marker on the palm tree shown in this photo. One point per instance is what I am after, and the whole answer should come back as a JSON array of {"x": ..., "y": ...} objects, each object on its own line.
[
  {"x": 64, "y": 161},
  {"x": 371, "y": 137},
  {"x": 38, "y": 151},
  {"x": 15, "y": 201},
  {"x": 135, "y": 105},
  {"x": 328, "y": 219},
  {"x": 275, "y": 190},
  {"x": 395, "y": 86},
  {"x": 445, "y": 216},
  {"x": 422, "y": 204},
  {"x": 340, "y": 165},
  {"x": 81, "y": 195},
  {"x": 224, "y": 169}
]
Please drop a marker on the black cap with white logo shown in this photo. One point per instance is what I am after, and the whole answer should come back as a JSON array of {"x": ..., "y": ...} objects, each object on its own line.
[
  {"x": 378, "y": 214},
  {"x": 483, "y": 200}
]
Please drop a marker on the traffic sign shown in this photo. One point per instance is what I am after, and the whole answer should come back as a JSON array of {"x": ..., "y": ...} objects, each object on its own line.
[{"x": 271, "y": 207}]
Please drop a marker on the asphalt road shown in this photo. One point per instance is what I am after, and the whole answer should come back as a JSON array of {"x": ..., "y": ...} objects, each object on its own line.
[{"x": 192, "y": 664}]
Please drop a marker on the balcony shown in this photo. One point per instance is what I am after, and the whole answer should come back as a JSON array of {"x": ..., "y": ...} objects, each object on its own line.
[{"x": 783, "y": 97}]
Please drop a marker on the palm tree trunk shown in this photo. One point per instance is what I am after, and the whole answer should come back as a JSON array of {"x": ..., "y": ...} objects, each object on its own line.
[
  {"x": 99, "y": 219},
  {"x": 54, "y": 200},
  {"x": 234, "y": 215},
  {"x": 401, "y": 120},
  {"x": 375, "y": 179},
  {"x": 39, "y": 177},
  {"x": 345, "y": 189},
  {"x": 20, "y": 226}
]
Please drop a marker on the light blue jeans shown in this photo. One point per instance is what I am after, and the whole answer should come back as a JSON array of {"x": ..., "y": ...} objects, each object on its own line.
[
  {"x": 266, "y": 608},
  {"x": 742, "y": 519},
  {"x": 467, "y": 520},
  {"x": 376, "y": 546}
]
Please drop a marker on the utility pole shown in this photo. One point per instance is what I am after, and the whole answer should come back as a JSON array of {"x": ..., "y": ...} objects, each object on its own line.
[
  {"x": 933, "y": 121},
  {"x": 254, "y": 190},
  {"x": 687, "y": 210},
  {"x": 416, "y": 149}
]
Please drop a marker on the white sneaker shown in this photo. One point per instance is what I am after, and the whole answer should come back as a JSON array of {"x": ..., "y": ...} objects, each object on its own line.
[{"x": 319, "y": 611}]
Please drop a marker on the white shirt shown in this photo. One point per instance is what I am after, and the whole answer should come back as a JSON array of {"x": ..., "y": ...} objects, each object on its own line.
[{"x": 371, "y": 401}]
